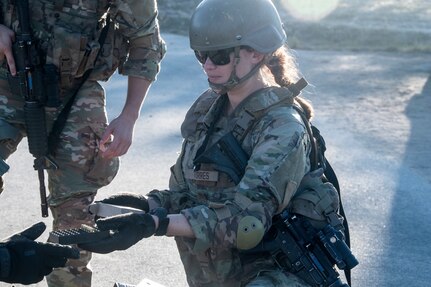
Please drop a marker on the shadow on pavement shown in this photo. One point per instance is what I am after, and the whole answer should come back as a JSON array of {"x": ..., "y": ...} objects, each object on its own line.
[{"x": 410, "y": 227}]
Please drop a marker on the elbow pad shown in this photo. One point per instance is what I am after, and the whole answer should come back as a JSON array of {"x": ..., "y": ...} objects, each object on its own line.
[{"x": 250, "y": 232}]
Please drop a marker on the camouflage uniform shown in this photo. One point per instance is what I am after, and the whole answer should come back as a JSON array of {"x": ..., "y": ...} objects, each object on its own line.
[
  {"x": 279, "y": 148},
  {"x": 66, "y": 31}
]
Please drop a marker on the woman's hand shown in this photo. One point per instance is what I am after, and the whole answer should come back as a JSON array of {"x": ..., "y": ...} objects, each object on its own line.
[{"x": 128, "y": 229}]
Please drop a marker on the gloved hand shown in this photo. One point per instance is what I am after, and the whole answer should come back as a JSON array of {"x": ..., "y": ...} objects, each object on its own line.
[
  {"x": 128, "y": 199},
  {"x": 26, "y": 261},
  {"x": 128, "y": 229}
]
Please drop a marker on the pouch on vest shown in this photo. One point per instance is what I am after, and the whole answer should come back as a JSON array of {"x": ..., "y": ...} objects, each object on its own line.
[
  {"x": 316, "y": 200},
  {"x": 227, "y": 156}
]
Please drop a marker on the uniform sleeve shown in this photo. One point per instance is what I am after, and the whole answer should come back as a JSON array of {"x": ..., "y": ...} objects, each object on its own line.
[
  {"x": 137, "y": 22},
  {"x": 278, "y": 162}
]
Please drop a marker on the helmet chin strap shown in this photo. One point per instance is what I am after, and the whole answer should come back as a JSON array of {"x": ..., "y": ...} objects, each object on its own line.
[{"x": 233, "y": 80}]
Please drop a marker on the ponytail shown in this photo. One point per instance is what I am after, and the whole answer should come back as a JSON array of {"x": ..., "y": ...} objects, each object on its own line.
[{"x": 283, "y": 68}]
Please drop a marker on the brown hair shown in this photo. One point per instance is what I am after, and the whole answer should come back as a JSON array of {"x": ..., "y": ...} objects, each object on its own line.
[{"x": 284, "y": 71}]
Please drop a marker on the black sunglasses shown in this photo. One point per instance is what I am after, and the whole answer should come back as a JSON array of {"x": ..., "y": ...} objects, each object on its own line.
[{"x": 218, "y": 57}]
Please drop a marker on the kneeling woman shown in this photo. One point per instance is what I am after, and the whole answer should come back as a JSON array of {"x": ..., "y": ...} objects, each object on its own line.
[{"x": 245, "y": 151}]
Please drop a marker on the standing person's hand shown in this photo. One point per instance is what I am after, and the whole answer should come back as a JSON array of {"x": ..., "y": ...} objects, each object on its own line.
[
  {"x": 7, "y": 37},
  {"x": 120, "y": 130},
  {"x": 24, "y": 260}
]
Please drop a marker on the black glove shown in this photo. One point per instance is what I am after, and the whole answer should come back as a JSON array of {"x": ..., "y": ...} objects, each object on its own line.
[
  {"x": 128, "y": 199},
  {"x": 26, "y": 261},
  {"x": 128, "y": 229}
]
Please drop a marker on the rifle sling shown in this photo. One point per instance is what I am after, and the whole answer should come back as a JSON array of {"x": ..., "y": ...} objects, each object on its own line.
[{"x": 60, "y": 122}]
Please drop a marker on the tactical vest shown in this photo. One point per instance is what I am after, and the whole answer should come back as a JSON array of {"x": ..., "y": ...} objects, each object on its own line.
[
  {"x": 67, "y": 34},
  {"x": 314, "y": 198}
]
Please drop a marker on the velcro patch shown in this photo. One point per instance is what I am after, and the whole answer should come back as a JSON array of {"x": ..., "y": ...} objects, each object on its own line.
[{"x": 202, "y": 175}]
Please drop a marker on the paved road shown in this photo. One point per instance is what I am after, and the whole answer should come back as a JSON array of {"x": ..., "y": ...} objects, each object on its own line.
[{"x": 372, "y": 108}]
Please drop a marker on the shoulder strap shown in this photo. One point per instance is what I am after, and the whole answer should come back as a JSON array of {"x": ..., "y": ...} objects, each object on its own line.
[
  {"x": 53, "y": 138},
  {"x": 318, "y": 160},
  {"x": 249, "y": 118},
  {"x": 318, "y": 147},
  {"x": 330, "y": 175}
]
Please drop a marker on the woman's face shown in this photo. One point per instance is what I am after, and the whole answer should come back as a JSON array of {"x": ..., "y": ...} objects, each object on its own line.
[{"x": 220, "y": 73}]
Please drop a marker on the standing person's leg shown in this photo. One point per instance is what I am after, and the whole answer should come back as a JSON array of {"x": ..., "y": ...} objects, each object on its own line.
[
  {"x": 10, "y": 137},
  {"x": 71, "y": 214},
  {"x": 12, "y": 127},
  {"x": 82, "y": 171}
]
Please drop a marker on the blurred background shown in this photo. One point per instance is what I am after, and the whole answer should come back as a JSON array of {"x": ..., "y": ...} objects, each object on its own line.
[{"x": 365, "y": 25}]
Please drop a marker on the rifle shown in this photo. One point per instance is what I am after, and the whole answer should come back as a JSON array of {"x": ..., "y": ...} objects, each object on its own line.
[
  {"x": 310, "y": 253},
  {"x": 30, "y": 84}
]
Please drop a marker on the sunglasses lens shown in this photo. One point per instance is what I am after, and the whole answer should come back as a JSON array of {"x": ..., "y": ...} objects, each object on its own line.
[
  {"x": 201, "y": 56},
  {"x": 219, "y": 57}
]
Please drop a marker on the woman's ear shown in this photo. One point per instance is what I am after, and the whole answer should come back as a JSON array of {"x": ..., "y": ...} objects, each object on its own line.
[{"x": 257, "y": 57}]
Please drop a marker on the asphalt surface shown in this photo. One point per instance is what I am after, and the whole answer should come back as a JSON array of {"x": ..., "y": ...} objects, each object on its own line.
[{"x": 372, "y": 107}]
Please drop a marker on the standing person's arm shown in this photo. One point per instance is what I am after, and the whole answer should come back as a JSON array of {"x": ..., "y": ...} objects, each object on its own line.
[
  {"x": 122, "y": 127},
  {"x": 141, "y": 63}
]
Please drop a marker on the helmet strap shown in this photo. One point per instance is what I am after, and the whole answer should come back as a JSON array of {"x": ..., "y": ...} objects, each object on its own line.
[{"x": 233, "y": 80}]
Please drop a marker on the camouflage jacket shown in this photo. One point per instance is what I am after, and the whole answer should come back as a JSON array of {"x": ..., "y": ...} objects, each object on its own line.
[
  {"x": 67, "y": 33},
  {"x": 278, "y": 147}
]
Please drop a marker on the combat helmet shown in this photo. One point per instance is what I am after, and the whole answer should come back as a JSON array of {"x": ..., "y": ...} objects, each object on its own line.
[{"x": 221, "y": 24}]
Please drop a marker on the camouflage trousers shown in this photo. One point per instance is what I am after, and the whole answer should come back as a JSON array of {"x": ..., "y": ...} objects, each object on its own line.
[
  {"x": 71, "y": 214},
  {"x": 276, "y": 278},
  {"x": 81, "y": 170}
]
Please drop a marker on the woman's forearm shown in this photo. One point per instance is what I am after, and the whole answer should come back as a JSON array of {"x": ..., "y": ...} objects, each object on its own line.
[{"x": 179, "y": 226}]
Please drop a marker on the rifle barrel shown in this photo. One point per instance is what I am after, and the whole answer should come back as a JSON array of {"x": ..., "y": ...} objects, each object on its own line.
[{"x": 42, "y": 189}]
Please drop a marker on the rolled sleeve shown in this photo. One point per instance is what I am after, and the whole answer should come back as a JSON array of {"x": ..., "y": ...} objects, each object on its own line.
[
  {"x": 137, "y": 21},
  {"x": 279, "y": 160},
  {"x": 219, "y": 227},
  {"x": 203, "y": 222}
]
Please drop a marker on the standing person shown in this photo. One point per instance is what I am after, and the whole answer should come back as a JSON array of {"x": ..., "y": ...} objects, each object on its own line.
[
  {"x": 245, "y": 156},
  {"x": 67, "y": 37}
]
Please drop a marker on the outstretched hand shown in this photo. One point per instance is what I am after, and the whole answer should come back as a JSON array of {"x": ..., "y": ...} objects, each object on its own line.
[
  {"x": 29, "y": 261},
  {"x": 128, "y": 229}
]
